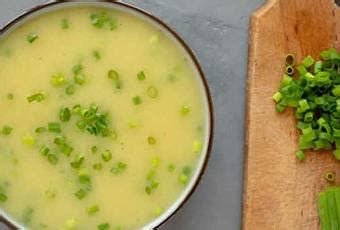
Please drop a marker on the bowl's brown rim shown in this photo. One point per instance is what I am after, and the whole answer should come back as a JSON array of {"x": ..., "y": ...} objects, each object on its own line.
[{"x": 187, "y": 49}]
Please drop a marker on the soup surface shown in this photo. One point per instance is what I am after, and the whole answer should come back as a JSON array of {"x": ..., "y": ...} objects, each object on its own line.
[{"x": 102, "y": 121}]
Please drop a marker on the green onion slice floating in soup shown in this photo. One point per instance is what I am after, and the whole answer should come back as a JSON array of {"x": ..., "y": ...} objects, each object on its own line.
[
  {"x": 54, "y": 127},
  {"x": 151, "y": 140},
  {"x": 137, "y": 100},
  {"x": 32, "y": 37},
  {"x": 81, "y": 194},
  {"x": 152, "y": 92},
  {"x": 92, "y": 209},
  {"x": 118, "y": 168},
  {"x": 107, "y": 155},
  {"x": 141, "y": 76},
  {"x": 104, "y": 226},
  {"x": 65, "y": 114},
  {"x": 64, "y": 24},
  {"x": 37, "y": 97},
  {"x": 70, "y": 90},
  {"x": 58, "y": 80},
  {"x": 10, "y": 96},
  {"x": 6, "y": 130}
]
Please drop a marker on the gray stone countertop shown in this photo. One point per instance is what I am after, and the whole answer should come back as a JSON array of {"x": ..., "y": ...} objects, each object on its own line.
[{"x": 217, "y": 31}]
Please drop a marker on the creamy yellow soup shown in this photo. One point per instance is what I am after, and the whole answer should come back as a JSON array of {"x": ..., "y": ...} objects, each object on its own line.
[{"x": 103, "y": 121}]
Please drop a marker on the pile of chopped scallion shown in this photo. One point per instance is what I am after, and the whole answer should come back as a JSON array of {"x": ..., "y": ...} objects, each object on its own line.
[{"x": 314, "y": 93}]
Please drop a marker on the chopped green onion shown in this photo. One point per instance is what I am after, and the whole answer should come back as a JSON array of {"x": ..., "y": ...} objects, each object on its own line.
[
  {"x": 336, "y": 154},
  {"x": 113, "y": 74},
  {"x": 99, "y": 20},
  {"x": 137, "y": 100},
  {"x": 104, "y": 226},
  {"x": 158, "y": 211},
  {"x": 38, "y": 97},
  {"x": 81, "y": 194},
  {"x": 81, "y": 124},
  {"x": 84, "y": 176},
  {"x": 184, "y": 176},
  {"x": 133, "y": 124},
  {"x": 336, "y": 90},
  {"x": 97, "y": 166},
  {"x": 94, "y": 149},
  {"x": 118, "y": 168},
  {"x": 107, "y": 155},
  {"x": 113, "y": 135},
  {"x": 113, "y": 24},
  {"x": 77, "y": 69},
  {"x": 27, "y": 215},
  {"x": 52, "y": 158},
  {"x": 93, "y": 121},
  {"x": 155, "y": 162},
  {"x": 92, "y": 209},
  {"x": 58, "y": 80},
  {"x": 286, "y": 81},
  {"x": 330, "y": 176},
  {"x": 31, "y": 38},
  {"x": 197, "y": 146},
  {"x": 152, "y": 184},
  {"x": 44, "y": 150},
  {"x": 303, "y": 106},
  {"x": 10, "y": 96},
  {"x": 76, "y": 109},
  {"x": 29, "y": 140},
  {"x": 66, "y": 150},
  {"x": 96, "y": 54},
  {"x": 186, "y": 170},
  {"x": 183, "y": 179},
  {"x": 60, "y": 140},
  {"x": 308, "y": 61},
  {"x": 300, "y": 155},
  {"x": 171, "y": 167},
  {"x": 308, "y": 117},
  {"x": 172, "y": 78},
  {"x": 71, "y": 224},
  {"x": 70, "y": 90},
  {"x": 64, "y": 24},
  {"x": 54, "y": 127},
  {"x": 141, "y": 76},
  {"x": 314, "y": 94},
  {"x": 50, "y": 193},
  {"x": 78, "y": 161},
  {"x": 151, "y": 187},
  {"x": 152, "y": 92},
  {"x": 65, "y": 114},
  {"x": 318, "y": 66},
  {"x": 3, "y": 197},
  {"x": 79, "y": 79},
  {"x": 6, "y": 130},
  {"x": 151, "y": 140},
  {"x": 277, "y": 97},
  {"x": 185, "y": 110}
]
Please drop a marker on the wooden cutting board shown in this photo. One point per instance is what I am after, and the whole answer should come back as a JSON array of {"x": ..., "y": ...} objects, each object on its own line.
[{"x": 279, "y": 192}]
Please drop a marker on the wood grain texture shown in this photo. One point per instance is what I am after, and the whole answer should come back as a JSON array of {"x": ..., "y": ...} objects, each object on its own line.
[{"x": 279, "y": 192}]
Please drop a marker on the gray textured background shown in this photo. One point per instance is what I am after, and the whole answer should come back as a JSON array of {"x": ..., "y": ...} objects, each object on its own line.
[{"x": 217, "y": 31}]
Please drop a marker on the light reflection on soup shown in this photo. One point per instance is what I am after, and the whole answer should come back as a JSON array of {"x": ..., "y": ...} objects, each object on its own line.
[{"x": 102, "y": 121}]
